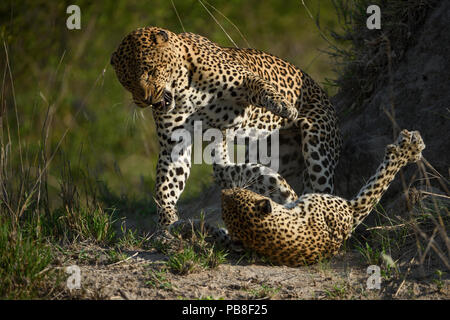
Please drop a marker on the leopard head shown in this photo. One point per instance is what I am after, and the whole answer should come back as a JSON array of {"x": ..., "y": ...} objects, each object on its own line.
[
  {"x": 145, "y": 62},
  {"x": 239, "y": 202}
]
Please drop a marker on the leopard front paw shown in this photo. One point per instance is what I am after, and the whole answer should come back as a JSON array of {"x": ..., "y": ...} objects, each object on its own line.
[
  {"x": 411, "y": 145},
  {"x": 162, "y": 239},
  {"x": 408, "y": 147},
  {"x": 283, "y": 108},
  {"x": 167, "y": 215},
  {"x": 290, "y": 113}
]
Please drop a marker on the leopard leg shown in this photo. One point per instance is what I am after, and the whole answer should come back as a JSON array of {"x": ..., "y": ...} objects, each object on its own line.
[
  {"x": 321, "y": 145},
  {"x": 172, "y": 174}
]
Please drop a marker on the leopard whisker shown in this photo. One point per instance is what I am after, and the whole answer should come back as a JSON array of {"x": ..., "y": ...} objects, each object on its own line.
[
  {"x": 270, "y": 192},
  {"x": 250, "y": 182}
]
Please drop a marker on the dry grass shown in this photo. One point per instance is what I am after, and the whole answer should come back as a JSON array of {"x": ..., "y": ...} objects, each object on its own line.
[{"x": 30, "y": 225}]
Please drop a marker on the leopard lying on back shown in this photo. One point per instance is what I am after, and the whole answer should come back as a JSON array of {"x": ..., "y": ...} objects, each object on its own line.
[{"x": 315, "y": 225}]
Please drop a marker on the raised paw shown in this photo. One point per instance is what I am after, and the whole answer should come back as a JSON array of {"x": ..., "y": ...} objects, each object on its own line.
[
  {"x": 281, "y": 107},
  {"x": 291, "y": 113},
  {"x": 410, "y": 145}
]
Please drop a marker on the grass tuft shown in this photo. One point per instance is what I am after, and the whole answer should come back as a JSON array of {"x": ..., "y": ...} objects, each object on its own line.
[
  {"x": 23, "y": 263},
  {"x": 194, "y": 254}
]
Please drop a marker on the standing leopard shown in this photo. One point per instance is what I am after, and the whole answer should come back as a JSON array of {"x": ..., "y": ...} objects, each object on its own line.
[
  {"x": 315, "y": 225},
  {"x": 186, "y": 78}
]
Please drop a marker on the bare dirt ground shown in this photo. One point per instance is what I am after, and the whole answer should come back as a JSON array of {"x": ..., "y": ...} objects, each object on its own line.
[{"x": 143, "y": 277}]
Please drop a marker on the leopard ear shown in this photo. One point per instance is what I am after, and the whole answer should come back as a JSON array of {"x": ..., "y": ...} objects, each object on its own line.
[
  {"x": 264, "y": 206},
  {"x": 160, "y": 37}
]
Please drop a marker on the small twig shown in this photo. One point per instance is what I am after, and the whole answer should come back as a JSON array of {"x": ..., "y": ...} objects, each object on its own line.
[
  {"x": 404, "y": 278},
  {"x": 387, "y": 227},
  {"x": 434, "y": 194},
  {"x": 119, "y": 262},
  {"x": 44, "y": 270},
  {"x": 125, "y": 295}
]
